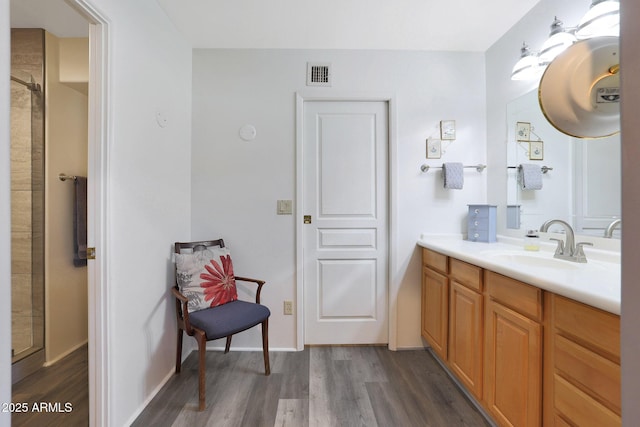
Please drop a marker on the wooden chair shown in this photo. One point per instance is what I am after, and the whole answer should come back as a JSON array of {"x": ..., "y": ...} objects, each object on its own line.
[{"x": 217, "y": 322}]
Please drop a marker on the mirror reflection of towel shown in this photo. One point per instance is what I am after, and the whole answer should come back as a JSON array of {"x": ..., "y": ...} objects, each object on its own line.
[
  {"x": 80, "y": 222},
  {"x": 530, "y": 176},
  {"x": 453, "y": 175}
]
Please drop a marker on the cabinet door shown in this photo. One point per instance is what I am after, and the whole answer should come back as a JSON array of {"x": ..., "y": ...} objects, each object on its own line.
[
  {"x": 465, "y": 337},
  {"x": 513, "y": 367},
  {"x": 435, "y": 310}
]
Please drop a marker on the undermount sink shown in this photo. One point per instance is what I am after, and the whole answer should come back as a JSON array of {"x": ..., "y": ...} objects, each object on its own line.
[{"x": 531, "y": 259}]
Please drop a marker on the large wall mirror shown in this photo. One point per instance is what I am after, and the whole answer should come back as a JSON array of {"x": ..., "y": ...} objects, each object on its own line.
[{"x": 581, "y": 184}]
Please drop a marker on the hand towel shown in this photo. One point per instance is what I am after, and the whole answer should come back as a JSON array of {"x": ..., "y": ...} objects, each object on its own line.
[
  {"x": 453, "y": 174},
  {"x": 530, "y": 176},
  {"x": 80, "y": 222}
]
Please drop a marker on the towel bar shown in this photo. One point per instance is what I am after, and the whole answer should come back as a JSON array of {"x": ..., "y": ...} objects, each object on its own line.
[
  {"x": 64, "y": 177},
  {"x": 544, "y": 169},
  {"x": 479, "y": 168}
]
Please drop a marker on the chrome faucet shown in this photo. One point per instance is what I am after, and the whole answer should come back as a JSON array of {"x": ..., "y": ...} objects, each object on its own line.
[
  {"x": 567, "y": 249},
  {"x": 608, "y": 232}
]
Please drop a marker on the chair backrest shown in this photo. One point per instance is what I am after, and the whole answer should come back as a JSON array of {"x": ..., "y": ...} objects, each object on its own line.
[{"x": 195, "y": 246}]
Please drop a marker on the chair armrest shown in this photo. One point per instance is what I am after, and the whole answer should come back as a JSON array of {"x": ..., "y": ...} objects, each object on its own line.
[
  {"x": 260, "y": 283},
  {"x": 182, "y": 311},
  {"x": 178, "y": 294}
]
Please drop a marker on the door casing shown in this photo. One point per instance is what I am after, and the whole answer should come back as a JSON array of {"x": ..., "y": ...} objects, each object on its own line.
[{"x": 393, "y": 286}]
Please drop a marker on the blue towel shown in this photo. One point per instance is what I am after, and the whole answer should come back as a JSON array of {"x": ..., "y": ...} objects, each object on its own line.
[
  {"x": 80, "y": 222},
  {"x": 453, "y": 174},
  {"x": 530, "y": 176}
]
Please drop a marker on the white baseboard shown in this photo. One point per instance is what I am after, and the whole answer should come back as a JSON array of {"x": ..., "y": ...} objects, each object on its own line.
[{"x": 65, "y": 354}]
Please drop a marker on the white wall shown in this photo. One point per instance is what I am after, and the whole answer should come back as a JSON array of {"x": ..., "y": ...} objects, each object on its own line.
[
  {"x": 5, "y": 213},
  {"x": 235, "y": 184},
  {"x": 630, "y": 66},
  {"x": 148, "y": 200},
  {"x": 533, "y": 29}
]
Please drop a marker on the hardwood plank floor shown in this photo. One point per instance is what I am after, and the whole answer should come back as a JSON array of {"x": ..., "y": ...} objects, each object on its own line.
[
  {"x": 318, "y": 387},
  {"x": 59, "y": 392}
]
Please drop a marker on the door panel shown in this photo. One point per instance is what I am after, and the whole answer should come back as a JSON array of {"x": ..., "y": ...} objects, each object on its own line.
[{"x": 345, "y": 245}]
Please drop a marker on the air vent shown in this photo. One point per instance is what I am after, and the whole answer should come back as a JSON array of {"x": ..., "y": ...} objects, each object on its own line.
[{"x": 318, "y": 74}]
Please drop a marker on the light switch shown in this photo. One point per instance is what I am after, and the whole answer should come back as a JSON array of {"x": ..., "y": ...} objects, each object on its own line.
[{"x": 285, "y": 207}]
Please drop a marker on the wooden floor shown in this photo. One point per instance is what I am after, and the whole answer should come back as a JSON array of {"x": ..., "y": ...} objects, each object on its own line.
[
  {"x": 59, "y": 392},
  {"x": 318, "y": 387}
]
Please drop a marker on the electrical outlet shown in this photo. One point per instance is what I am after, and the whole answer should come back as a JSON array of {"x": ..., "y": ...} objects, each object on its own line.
[{"x": 288, "y": 307}]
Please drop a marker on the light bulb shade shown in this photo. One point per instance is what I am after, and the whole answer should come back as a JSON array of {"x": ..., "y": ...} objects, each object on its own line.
[
  {"x": 603, "y": 19},
  {"x": 579, "y": 92},
  {"x": 527, "y": 68},
  {"x": 555, "y": 45}
]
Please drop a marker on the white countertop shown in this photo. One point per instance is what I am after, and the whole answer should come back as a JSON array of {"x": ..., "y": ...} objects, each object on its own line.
[{"x": 596, "y": 283}]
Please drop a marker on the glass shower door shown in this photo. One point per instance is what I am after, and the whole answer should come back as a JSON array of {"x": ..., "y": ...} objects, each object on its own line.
[{"x": 27, "y": 222}]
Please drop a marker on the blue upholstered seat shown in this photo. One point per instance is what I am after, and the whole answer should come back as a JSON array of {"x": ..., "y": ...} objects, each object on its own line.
[{"x": 228, "y": 319}]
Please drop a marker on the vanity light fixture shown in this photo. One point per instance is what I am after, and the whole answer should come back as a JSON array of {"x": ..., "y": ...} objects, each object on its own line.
[
  {"x": 559, "y": 39},
  {"x": 528, "y": 66},
  {"x": 602, "y": 19}
]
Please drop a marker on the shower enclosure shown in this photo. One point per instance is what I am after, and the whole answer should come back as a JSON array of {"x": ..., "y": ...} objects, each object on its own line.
[{"x": 27, "y": 210}]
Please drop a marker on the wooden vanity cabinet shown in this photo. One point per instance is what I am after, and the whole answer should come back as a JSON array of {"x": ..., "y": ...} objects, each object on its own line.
[
  {"x": 585, "y": 381},
  {"x": 435, "y": 301},
  {"x": 513, "y": 351},
  {"x": 507, "y": 341},
  {"x": 466, "y": 324}
]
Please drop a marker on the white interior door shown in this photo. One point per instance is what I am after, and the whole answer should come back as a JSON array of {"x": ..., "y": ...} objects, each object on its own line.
[{"x": 345, "y": 151}]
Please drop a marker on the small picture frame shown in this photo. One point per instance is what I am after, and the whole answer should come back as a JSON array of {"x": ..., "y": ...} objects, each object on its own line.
[
  {"x": 434, "y": 148},
  {"x": 447, "y": 129},
  {"x": 523, "y": 131},
  {"x": 536, "y": 150}
]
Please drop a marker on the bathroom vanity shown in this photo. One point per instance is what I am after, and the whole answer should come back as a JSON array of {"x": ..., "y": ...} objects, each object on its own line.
[{"x": 534, "y": 340}]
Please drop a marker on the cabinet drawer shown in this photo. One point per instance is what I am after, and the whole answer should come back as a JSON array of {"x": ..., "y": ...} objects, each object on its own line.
[
  {"x": 593, "y": 328},
  {"x": 466, "y": 274},
  {"x": 580, "y": 408},
  {"x": 435, "y": 260},
  {"x": 476, "y": 235},
  {"x": 520, "y": 297},
  {"x": 597, "y": 376}
]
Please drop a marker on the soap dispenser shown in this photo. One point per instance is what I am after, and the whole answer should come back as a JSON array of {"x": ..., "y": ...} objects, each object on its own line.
[{"x": 532, "y": 241}]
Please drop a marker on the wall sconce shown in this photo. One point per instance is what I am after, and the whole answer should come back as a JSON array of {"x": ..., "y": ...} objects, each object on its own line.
[{"x": 602, "y": 19}]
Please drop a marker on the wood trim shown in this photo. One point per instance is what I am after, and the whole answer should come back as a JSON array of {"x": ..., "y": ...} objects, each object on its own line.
[
  {"x": 520, "y": 297},
  {"x": 513, "y": 360},
  {"x": 435, "y": 297},
  {"x": 580, "y": 408},
  {"x": 435, "y": 261},
  {"x": 466, "y": 274},
  {"x": 592, "y": 328},
  {"x": 466, "y": 324}
]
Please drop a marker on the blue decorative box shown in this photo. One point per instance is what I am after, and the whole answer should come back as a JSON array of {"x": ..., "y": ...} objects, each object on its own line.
[{"x": 482, "y": 223}]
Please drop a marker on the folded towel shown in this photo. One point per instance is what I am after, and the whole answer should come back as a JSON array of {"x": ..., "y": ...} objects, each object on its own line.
[
  {"x": 80, "y": 222},
  {"x": 453, "y": 174},
  {"x": 530, "y": 176}
]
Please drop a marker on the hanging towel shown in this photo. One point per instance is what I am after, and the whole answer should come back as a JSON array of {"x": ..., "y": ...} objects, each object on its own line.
[
  {"x": 453, "y": 174},
  {"x": 530, "y": 176},
  {"x": 80, "y": 222}
]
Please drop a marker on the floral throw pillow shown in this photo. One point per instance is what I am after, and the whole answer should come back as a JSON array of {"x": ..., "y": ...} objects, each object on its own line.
[{"x": 206, "y": 278}]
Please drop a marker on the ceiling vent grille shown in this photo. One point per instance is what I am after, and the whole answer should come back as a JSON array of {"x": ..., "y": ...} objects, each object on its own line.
[{"x": 318, "y": 74}]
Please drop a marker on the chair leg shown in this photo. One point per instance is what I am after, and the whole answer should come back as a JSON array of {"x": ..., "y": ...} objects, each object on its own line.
[
  {"x": 228, "y": 344},
  {"x": 179, "y": 351},
  {"x": 265, "y": 346},
  {"x": 202, "y": 347}
]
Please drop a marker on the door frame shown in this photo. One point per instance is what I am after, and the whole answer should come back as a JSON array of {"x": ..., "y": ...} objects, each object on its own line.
[
  {"x": 392, "y": 288},
  {"x": 97, "y": 204}
]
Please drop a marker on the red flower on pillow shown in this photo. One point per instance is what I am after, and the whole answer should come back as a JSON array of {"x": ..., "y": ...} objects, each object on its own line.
[{"x": 220, "y": 284}]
